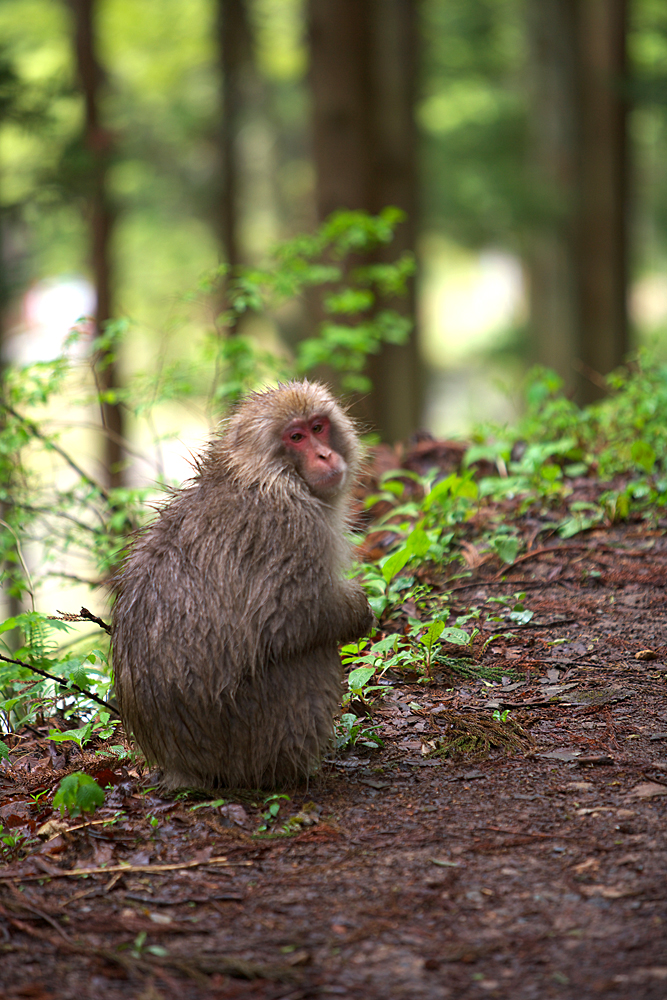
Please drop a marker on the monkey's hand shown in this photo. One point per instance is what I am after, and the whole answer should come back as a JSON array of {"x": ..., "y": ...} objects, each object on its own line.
[{"x": 357, "y": 618}]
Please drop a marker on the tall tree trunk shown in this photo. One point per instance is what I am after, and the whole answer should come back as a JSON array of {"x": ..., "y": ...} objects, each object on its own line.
[
  {"x": 363, "y": 71},
  {"x": 236, "y": 62},
  {"x": 578, "y": 259},
  {"x": 98, "y": 141},
  {"x": 601, "y": 223},
  {"x": 554, "y": 315}
]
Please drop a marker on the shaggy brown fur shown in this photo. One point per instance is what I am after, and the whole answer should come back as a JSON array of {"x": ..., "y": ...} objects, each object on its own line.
[{"x": 230, "y": 606}]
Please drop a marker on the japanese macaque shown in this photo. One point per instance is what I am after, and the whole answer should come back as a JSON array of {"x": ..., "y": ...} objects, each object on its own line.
[{"x": 231, "y": 604}]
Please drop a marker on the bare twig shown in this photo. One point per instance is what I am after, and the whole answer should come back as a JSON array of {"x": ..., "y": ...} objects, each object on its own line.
[
  {"x": 83, "y": 616},
  {"x": 37, "y": 433},
  {"x": 126, "y": 869},
  {"x": 64, "y": 682}
]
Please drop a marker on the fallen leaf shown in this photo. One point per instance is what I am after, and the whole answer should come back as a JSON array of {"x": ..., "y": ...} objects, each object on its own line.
[
  {"x": 301, "y": 957},
  {"x": 591, "y": 864},
  {"x": 648, "y": 790},
  {"x": 607, "y": 891},
  {"x": 565, "y": 755},
  {"x": 646, "y": 654},
  {"x": 52, "y": 828},
  {"x": 598, "y": 696},
  {"x": 410, "y": 745}
]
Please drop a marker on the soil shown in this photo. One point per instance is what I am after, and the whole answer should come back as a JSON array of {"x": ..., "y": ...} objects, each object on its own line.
[{"x": 532, "y": 871}]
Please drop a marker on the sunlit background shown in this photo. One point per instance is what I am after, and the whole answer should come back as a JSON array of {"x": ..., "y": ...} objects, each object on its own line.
[{"x": 161, "y": 107}]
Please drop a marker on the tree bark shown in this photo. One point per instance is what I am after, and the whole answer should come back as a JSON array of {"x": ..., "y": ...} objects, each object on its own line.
[
  {"x": 578, "y": 253},
  {"x": 363, "y": 73},
  {"x": 236, "y": 63},
  {"x": 601, "y": 223},
  {"x": 102, "y": 217}
]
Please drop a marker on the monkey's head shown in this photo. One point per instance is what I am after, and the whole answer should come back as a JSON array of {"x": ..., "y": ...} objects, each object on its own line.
[{"x": 296, "y": 433}]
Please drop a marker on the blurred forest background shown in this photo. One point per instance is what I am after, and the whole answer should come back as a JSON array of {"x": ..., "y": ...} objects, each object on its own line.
[{"x": 142, "y": 141}]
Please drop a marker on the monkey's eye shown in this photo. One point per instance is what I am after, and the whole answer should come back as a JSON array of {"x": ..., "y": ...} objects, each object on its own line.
[
  {"x": 296, "y": 436},
  {"x": 317, "y": 428}
]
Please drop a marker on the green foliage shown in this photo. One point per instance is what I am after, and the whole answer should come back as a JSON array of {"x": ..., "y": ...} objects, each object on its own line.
[
  {"x": 625, "y": 432},
  {"x": 80, "y": 525},
  {"x": 10, "y": 843},
  {"x": 78, "y": 793},
  {"x": 25, "y": 696},
  {"x": 353, "y": 296},
  {"x": 351, "y": 730},
  {"x": 140, "y": 947},
  {"x": 272, "y": 805},
  {"x": 84, "y": 734},
  {"x": 621, "y": 440}
]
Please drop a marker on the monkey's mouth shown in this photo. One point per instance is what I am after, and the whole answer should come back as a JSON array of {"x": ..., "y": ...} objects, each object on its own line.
[{"x": 329, "y": 481}]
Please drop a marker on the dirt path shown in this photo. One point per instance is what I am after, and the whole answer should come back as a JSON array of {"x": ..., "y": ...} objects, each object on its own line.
[{"x": 532, "y": 875}]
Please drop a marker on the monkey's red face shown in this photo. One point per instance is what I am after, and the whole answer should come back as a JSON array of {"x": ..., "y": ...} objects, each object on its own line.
[{"x": 307, "y": 442}]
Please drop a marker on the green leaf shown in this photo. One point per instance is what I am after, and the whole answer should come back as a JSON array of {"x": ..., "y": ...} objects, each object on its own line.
[
  {"x": 78, "y": 736},
  {"x": 439, "y": 492},
  {"x": 395, "y": 563},
  {"x": 359, "y": 677},
  {"x": 78, "y": 793},
  {"x": 643, "y": 455},
  {"x": 521, "y": 616},
  {"x": 432, "y": 634},
  {"x": 378, "y": 605},
  {"x": 417, "y": 543},
  {"x": 458, "y": 636},
  {"x": 506, "y": 547}
]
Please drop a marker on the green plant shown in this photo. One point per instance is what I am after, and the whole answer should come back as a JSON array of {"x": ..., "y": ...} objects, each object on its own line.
[
  {"x": 42, "y": 678},
  {"x": 351, "y": 730},
  {"x": 78, "y": 793},
  {"x": 11, "y": 843},
  {"x": 84, "y": 734},
  {"x": 213, "y": 804},
  {"x": 140, "y": 947},
  {"x": 79, "y": 525},
  {"x": 272, "y": 805}
]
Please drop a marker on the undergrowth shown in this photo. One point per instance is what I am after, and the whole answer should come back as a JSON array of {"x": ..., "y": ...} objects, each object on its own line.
[{"x": 572, "y": 469}]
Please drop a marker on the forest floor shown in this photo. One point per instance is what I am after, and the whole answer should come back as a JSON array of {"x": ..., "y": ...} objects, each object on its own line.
[{"x": 533, "y": 873}]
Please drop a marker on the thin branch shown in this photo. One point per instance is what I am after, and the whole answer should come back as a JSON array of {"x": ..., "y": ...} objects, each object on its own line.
[
  {"x": 129, "y": 869},
  {"x": 63, "y": 682},
  {"x": 84, "y": 616},
  {"x": 35, "y": 431}
]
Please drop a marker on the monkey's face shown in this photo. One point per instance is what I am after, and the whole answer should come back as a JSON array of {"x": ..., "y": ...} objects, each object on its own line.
[{"x": 308, "y": 446}]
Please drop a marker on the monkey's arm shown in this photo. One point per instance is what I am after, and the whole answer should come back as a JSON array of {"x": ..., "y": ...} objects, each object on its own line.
[
  {"x": 290, "y": 623},
  {"x": 357, "y": 618}
]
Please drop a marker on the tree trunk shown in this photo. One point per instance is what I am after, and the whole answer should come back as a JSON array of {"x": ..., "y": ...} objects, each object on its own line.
[
  {"x": 578, "y": 255},
  {"x": 98, "y": 142},
  {"x": 235, "y": 50},
  {"x": 601, "y": 222},
  {"x": 554, "y": 129},
  {"x": 363, "y": 71}
]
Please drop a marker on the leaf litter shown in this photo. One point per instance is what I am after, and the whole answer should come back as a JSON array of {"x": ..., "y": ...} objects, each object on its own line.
[{"x": 539, "y": 872}]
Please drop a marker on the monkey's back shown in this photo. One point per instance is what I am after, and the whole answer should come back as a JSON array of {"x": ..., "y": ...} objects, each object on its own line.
[{"x": 224, "y": 673}]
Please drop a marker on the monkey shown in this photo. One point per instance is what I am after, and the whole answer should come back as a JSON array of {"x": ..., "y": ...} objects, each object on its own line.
[{"x": 230, "y": 606}]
